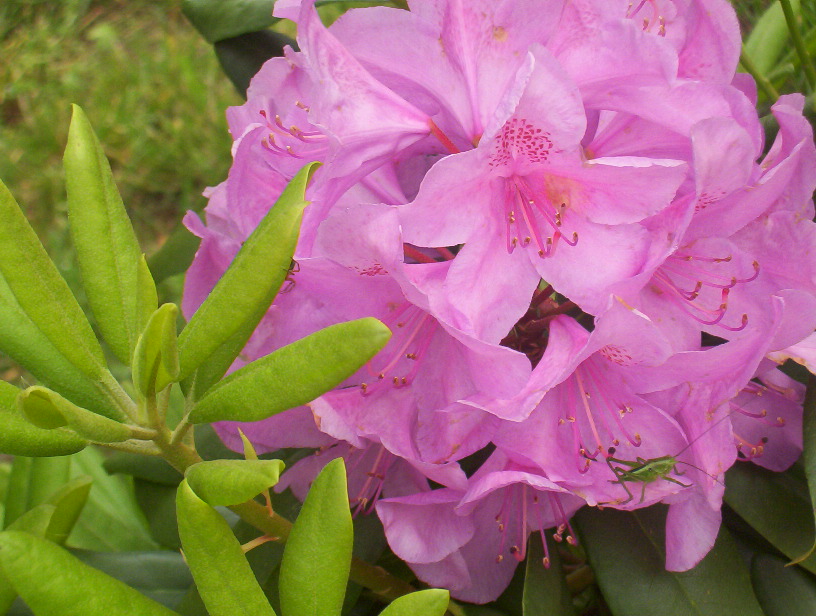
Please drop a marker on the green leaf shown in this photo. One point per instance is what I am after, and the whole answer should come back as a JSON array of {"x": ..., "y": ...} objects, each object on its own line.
[
  {"x": 18, "y": 437},
  {"x": 21, "y": 340},
  {"x": 781, "y": 590},
  {"x": 242, "y": 56},
  {"x": 155, "y": 360},
  {"x": 158, "y": 504},
  {"x": 433, "y": 602},
  {"x": 769, "y": 37},
  {"x": 545, "y": 588},
  {"x": 293, "y": 375},
  {"x": 222, "y": 574},
  {"x": 221, "y": 19},
  {"x": 54, "y": 583},
  {"x": 111, "y": 520},
  {"x": 149, "y": 468},
  {"x": 108, "y": 253},
  {"x": 776, "y": 506},
  {"x": 317, "y": 557},
  {"x": 162, "y": 576},
  {"x": 809, "y": 454},
  {"x": 626, "y": 552},
  {"x": 42, "y": 293},
  {"x": 47, "y": 409},
  {"x": 32, "y": 482},
  {"x": 175, "y": 255},
  {"x": 219, "y": 329},
  {"x": 221, "y": 483},
  {"x": 68, "y": 502}
]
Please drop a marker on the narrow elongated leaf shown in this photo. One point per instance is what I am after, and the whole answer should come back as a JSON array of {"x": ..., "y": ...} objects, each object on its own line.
[
  {"x": 433, "y": 602},
  {"x": 317, "y": 557},
  {"x": 68, "y": 503},
  {"x": 54, "y": 583},
  {"x": 32, "y": 482},
  {"x": 107, "y": 250},
  {"x": 233, "y": 309},
  {"x": 545, "y": 588},
  {"x": 47, "y": 409},
  {"x": 776, "y": 506},
  {"x": 781, "y": 590},
  {"x": 221, "y": 483},
  {"x": 220, "y": 19},
  {"x": 293, "y": 375},
  {"x": 222, "y": 574},
  {"x": 27, "y": 345},
  {"x": 19, "y": 437},
  {"x": 629, "y": 564},
  {"x": 809, "y": 455},
  {"x": 175, "y": 255},
  {"x": 111, "y": 520},
  {"x": 155, "y": 359},
  {"x": 42, "y": 293},
  {"x": 769, "y": 37}
]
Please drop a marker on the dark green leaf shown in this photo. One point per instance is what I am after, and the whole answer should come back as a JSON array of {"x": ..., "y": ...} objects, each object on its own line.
[
  {"x": 222, "y": 574},
  {"x": 626, "y": 551},
  {"x": 221, "y": 326},
  {"x": 317, "y": 557},
  {"x": 433, "y": 602},
  {"x": 221, "y": 19},
  {"x": 54, "y": 583},
  {"x": 149, "y": 468},
  {"x": 293, "y": 375},
  {"x": 809, "y": 453},
  {"x": 42, "y": 293},
  {"x": 545, "y": 588},
  {"x": 175, "y": 255},
  {"x": 781, "y": 590},
  {"x": 242, "y": 56},
  {"x": 121, "y": 297},
  {"x": 221, "y": 483},
  {"x": 776, "y": 506},
  {"x": 155, "y": 359},
  {"x": 47, "y": 409},
  {"x": 20, "y": 438},
  {"x": 158, "y": 503}
]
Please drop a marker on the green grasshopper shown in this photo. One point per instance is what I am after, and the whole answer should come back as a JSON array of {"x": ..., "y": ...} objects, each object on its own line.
[{"x": 643, "y": 471}]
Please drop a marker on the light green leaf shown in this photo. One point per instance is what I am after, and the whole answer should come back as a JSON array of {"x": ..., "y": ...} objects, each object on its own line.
[
  {"x": 433, "y": 602},
  {"x": 111, "y": 520},
  {"x": 769, "y": 37},
  {"x": 219, "y": 329},
  {"x": 155, "y": 360},
  {"x": 626, "y": 551},
  {"x": 32, "y": 482},
  {"x": 222, "y": 19},
  {"x": 21, "y": 340},
  {"x": 221, "y": 483},
  {"x": 293, "y": 375},
  {"x": 317, "y": 558},
  {"x": 18, "y": 437},
  {"x": 54, "y": 583},
  {"x": 122, "y": 298},
  {"x": 48, "y": 410},
  {"x": 68, "y": 502},
  {"x": 545, "y": 588},
  {"x": 222, "y": 574},
  {"x": 42, "y": 293}
]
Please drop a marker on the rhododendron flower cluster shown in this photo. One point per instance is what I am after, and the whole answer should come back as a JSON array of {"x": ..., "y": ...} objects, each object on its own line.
[{"x": 563, "y": 212}]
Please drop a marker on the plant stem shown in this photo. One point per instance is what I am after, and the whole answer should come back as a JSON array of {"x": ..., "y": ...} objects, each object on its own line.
[
  {"x": 799, "y": 44},
  {"x": 762, "y": 81}
]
